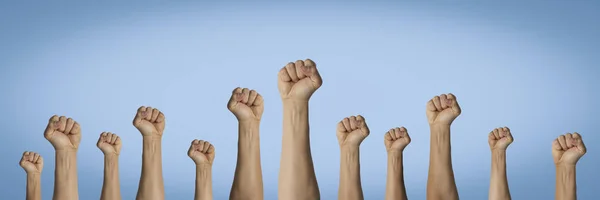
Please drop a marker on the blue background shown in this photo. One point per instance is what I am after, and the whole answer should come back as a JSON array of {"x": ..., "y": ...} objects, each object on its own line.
[{"x": 531, "y": 66}]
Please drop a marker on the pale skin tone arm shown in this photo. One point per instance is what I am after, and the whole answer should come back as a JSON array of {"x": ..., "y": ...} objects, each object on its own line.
[
  {"x": 151, "y": 124},
  {"x": 441, "y": 112},
  {"x": 247, "y": 106},
  {"x": 499, "y": 139},
  {"x": 351, "y": 131},
  {"x": 395, "y": 140},
  {"x": 65, "y": 135},
  {"x": 297, "y": 82},
  {"x": 33, "y": 164},
  {"x": 203, "y": 155},
  {"x": 567, "y": 150},
  {"x": 110, "y": 145}
]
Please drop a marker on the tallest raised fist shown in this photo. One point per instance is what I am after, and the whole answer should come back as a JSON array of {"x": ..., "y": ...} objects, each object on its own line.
[
  {"x": 299, "y": 80},
  {"x": 442, "y": 109}
]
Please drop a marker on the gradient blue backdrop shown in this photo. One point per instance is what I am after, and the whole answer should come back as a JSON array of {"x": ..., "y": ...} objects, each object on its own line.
[{"x": 531, "y": 66}]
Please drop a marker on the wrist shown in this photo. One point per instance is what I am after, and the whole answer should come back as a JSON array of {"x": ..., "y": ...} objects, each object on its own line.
[
  {"x": 203, "y": 167},
  {"x": 152, "y": 137},
  {"x": 111, "y": 155},
  {"x": 565, "y": 166},
  {"x": 349, "y": 147},
  {"x": 394, "y": 153},
  {"x": 249, "y": 123},
  {"x": 439, "y": 126},
  {"x": 291, "y": 101}
]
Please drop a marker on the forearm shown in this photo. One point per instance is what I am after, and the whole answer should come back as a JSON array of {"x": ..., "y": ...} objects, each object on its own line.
[
  {"x": 247, "y": 182},
  {"x": 440, "y": 182},
  {"x": 350, "y": 186},
  {"x": 395, "y": 189},
  {"x": 151, "y": 182},
  {"x": 111, "y": 188},
  {"x": 297, "y": 176},
  {"x": 65, "y": 176},
  {"x": 498, "y": 180},
  {"x": 566, "y": 187},
  {"x": 203, "y": 182},
  {"x": 34, "y": 186}
]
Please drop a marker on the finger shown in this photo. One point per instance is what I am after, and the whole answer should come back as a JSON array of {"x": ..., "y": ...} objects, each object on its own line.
[
  {"x": 284, "y": 76},
  {"x": 353, "y": 123},
  {"x": 431, "y": 106},
  {"x": 259, "y": 100},
  {"x": 62, "y": 121},
  {"x": 443, "y": 102},
  {"x": 340, "y": 126},
  {"x": 200, "y": 145},
  {"x": 191, "y": 149},
  {"x": 211, "y": 149},
  {"x": 291, "y": 70},
  {"x": 52, "y": 126},
  {"x": 252, "y": 97},
  {"x": 569, "y": 140},
  {"x": 563, "y": 142},
  {"x": 39, "y": 160},
  {"x": 155, "y": 113},
  {"x": 35, "y": 157},
  {"x": 76, "y": 129},
  {"x": 556, "y": 145},
  {"x": 69, "y": 125},
  {"x": 245, "y": 95},
  {"x": 346, "y": 122},
  {"x": 31, "y": 156},
  {"x": 148, "y": 113},
  {"x": 205, "y": 147},
  {"x": 508, "y": 134},
  {"x": 310, "y": 70},
  {"x": 404, "y": 133},
  {"x": 299, "y": 66},
  {"x": 109, "y": 137},
  {"x": 161, "y": 118},
  {"x": 496, "y": 134},
  {"x": 453, "y": 103},
  {"x": 118, "y": 141},
  {"x": 235, "y": 97},
  {"x": 437, "y": 103},
  {"x": 114, "y": 138},
  {"x": 397, "y": 133},
  {"x": 138, "y": 115},
  {"x": 491, "y": 136},
  {"x": 387, "y": 136},
  {"x": 362, "y": 124},
  {"x": 579, "y": 142}
]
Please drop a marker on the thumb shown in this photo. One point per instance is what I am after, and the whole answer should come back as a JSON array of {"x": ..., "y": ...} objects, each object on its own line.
[
  {"x": 454, "y": 103},
  {"x": 310, "y": 70},
  {"x": 52, "y": 126},
  {"x": 363, "y": 124},
  {"x": 236, "y": 96},
  {"x": 579, "y": 143}
]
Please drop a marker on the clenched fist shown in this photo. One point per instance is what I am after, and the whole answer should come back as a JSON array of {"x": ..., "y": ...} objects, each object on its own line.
[
  {"x": 298, "y": 81},
  {"x": 245, "y": 104},
  {"x": 567, "y": 149},
  {"x": 32, "y": 162},
  {"x": 500, "y": 138},
  {"x": 63, "y": 133},
  {"x": 351, "y": 131},
  {"x": 149, "y": 121},
  {"x": 109, "y": 143},
  {"x": 396, "y": 140},
  {"x": 202, "y": 152},
  {"x": 442, "y": 110}
]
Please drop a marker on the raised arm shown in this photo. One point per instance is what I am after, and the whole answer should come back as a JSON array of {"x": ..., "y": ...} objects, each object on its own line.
[
  {"x": 395, "y": 140},
  {"x": 110, "y": 145},
  {"x": 441, "y": 112},
  {"x": 247, "y": 106},
  {"x": 151, "y": 124},
  {"x": 203, "y": 155},
  {"x": 351, "y": 131},
  {"x": 65, "y": 135},
  {"x": 33, "y": 164},
  {"x": 499, "y": 139},
  {"x": 297, "y": 82},
  {"x": 567, "y": 150}
]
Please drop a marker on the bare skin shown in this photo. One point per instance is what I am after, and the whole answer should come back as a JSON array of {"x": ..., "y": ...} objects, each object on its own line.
[
  {"x": 65, "y": 135},
  {"x": 203, "y": 155},
  {"x": 151, "y": 124},
  {"x": 351, "y": 131},
  {"x": 247, "y": 106},
  {"x": 567, "y": 149},
  {"x": 395, "y": 140},
  {"x": 441, "y": 112},
  {"x": 499, "y": 139},
  {"x": 33, "y": 164},
  {"x": 110, "y": 145},
  {"x": 297, "y": 82}
]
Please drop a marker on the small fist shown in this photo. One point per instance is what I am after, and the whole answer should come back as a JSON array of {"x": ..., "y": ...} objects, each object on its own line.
[
  {"x": 298, "y": 81},
  {"x": 500, "y": 138},
  {"x": 351, "y": 131},
  {"x": 568, "y": 149},
  {"x": 246, "y": 104},
  {"x": 442, "y": 109},
  {"x": 396, "y": 139},
  {"x": 202, "y": 152},
  {"x": 149, "y": 121},
  {"x": 32, "y": 162},
  {"x": 109, "y": 143},
  {"x": 63, "y": 133}
]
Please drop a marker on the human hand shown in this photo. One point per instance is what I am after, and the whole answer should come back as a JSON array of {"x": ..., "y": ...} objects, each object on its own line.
[
  {"x": 149, "y": 121},
  {"x": 202, "y": 152},
  {"x": 109, "y": 143},
  {"x": 32, "y": 162},
  {"x": 246, "y": 105},
  {"x": 567, "y": 149},
  {"x": 500, "y": 138},
  {"x": 63, "y": 133},
  {"x": 298, "y": 81},
  {"x": 442, "y": 110},
  {"x": 396, "y": 139},
  {"x": 351, "y": 131}
]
